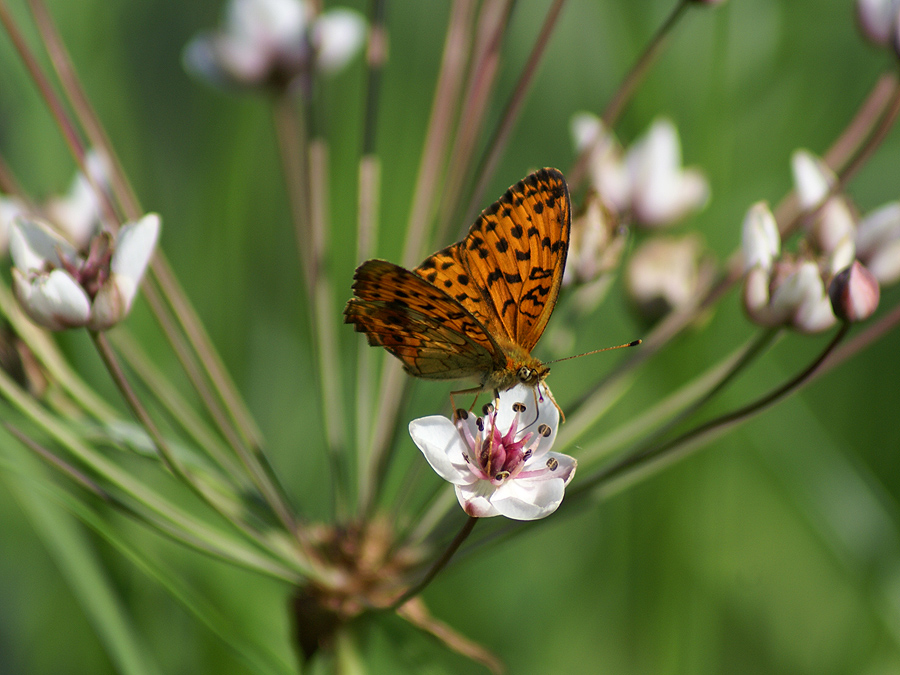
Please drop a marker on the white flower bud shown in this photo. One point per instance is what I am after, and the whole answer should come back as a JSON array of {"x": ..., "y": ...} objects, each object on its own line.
[
  {"x": 761, "y": 242},
  {"x": 878, "y": 242}
]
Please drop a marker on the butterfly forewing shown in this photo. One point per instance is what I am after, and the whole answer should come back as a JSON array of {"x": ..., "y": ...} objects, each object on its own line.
[
  {"x": 516, "y": 253},
  {"x": 430, "y": 332}
]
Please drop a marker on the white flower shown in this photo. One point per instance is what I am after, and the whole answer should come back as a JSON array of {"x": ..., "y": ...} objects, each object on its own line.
[
  {"x": 661, "y": 191},
  {"x": 664, "y": 274},
  {"x": 273, "y": 42},
  {"x": 77, "y": 214},
  {"x": 878, "y": 242},
  {"x": 648, "y": 183},
  {"x": 58, "y": 288},
  {"x": 833, "y": 226},
  {"x": 878, "y": 19},
  {"x": 791, "y": 294},
  {"x": 500, "y": 464},
  {"x": 761, "y": 242}
]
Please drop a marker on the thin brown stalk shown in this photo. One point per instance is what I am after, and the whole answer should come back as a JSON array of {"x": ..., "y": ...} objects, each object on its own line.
[
  {"x": 166, "y": 453},
  {"x": 330, "y": 376},
  {"x": 393, "y": 381},
  {"x": 482, "y": 79},
  {"x": 174, "y": 295},
  {"x": 367, "y": 234},
  {"x": 53, "y": 102},
  {"x": 443, "y": 112},
  {"x": 626, "y": 89},
  {"x": 418, "y": 615},
  {"x": 497, "y": 144},
  {"x": 81, "y": 105}
]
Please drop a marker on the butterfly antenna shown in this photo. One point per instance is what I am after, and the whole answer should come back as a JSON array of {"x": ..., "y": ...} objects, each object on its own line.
[{"x": 634, "y": 343}]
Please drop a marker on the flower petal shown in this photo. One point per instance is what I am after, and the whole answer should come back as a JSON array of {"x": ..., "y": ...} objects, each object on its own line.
[
  {"x": 761, "y": 241},
  {"x": 529, "y": 499},
  {"x": 134, "y": 248},
  {"x": 812, "y": 178},
  {"x": 55, "y": 300},
  {"x": 443, "y": 448},
  {"x": 476, "y": 499},
  {"x": 33, "y": 244},
  {"x": 338, "y": 35}
]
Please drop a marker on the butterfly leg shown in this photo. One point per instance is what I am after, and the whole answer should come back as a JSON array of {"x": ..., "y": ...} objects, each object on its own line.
[
  {"x": 473, "y": 390},
  {"x": 562, "y": 415}
]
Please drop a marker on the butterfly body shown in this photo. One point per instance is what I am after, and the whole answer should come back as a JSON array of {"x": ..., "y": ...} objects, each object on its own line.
[{"x": 474, "y": 310}]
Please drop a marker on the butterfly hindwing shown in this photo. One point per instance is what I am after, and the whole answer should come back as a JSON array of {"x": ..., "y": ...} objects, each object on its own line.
[{"x": 429, "y": 331}]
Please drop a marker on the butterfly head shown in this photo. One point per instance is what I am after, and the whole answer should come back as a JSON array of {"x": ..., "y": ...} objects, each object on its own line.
[{"x": 532, "y": 375}]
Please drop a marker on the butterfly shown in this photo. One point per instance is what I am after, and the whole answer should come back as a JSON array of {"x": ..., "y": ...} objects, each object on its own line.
[{"x": 477, "y": 308}]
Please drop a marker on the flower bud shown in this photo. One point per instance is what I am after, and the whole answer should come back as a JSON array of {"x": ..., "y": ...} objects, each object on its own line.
[
  {"x": 854, "y": 293},
  {"x": 761, "y": 241},
  {"x": 814, "y": 181},
  {"x": 663, "y": 274},
  {"x": 59, "y": 288},
  {"x": 877, "y": 19},
  {"x": 274, "y": 43},
  {"x": 878, "y": 243}
]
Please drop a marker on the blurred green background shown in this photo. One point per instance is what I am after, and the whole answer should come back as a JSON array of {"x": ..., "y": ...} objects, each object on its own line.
[{"x": 775, "y": 550}]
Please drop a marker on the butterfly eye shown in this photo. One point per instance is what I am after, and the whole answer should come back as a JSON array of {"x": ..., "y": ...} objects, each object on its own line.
[{"x": 527, "y": 375}]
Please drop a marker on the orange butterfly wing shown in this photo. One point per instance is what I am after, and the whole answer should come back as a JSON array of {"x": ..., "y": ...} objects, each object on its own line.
[
  {"x": 508, "y": 270},
  {"x": 430, "y": 332}
]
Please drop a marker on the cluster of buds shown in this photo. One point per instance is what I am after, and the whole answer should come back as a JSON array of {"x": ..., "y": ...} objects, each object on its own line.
[
  {"x": 647, "y": 186},
  {"x": 828, "y": 279},
  {"x": 75, "y": 215},
  {"x": 60, "y": 288},
  {"x": 274, "y": 44}
]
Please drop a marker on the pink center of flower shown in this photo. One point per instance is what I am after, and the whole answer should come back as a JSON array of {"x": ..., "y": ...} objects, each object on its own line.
[{"x": 498, "y": 457}]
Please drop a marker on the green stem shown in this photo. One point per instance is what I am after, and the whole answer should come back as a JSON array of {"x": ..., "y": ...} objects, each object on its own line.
[
  {"x": 438, "y": 565},
  {"x": 645, "y": 456}
]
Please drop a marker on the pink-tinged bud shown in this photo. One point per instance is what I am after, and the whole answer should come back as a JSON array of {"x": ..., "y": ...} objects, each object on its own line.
[
  {"x": 877, "y": 19},
  {"x": 854, "y": 293}
]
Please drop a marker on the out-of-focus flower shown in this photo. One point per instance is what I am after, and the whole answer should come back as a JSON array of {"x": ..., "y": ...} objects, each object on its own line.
[
  {"x": 664, "y": 274},
  {"x": 781, "y": 291},
  {"x": 272, "y": 43},
  {"x": 59, "y": 289},
  {"x": 662, "y": 192},
  {"x": 761, "y": 242},
  {"x": 10, "y": 209},
  {"x": 878, "y": 242},
  {"x": 77, "y": 214},
  {"x": 595, "y": 244},
  {"x": 854, "y": 293},
  {"x": 878, "y": 19},
  {"x": 833, "y": 226},
  {"x": 500, "y": 464},
  {"x": 647, "y": 184}
]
